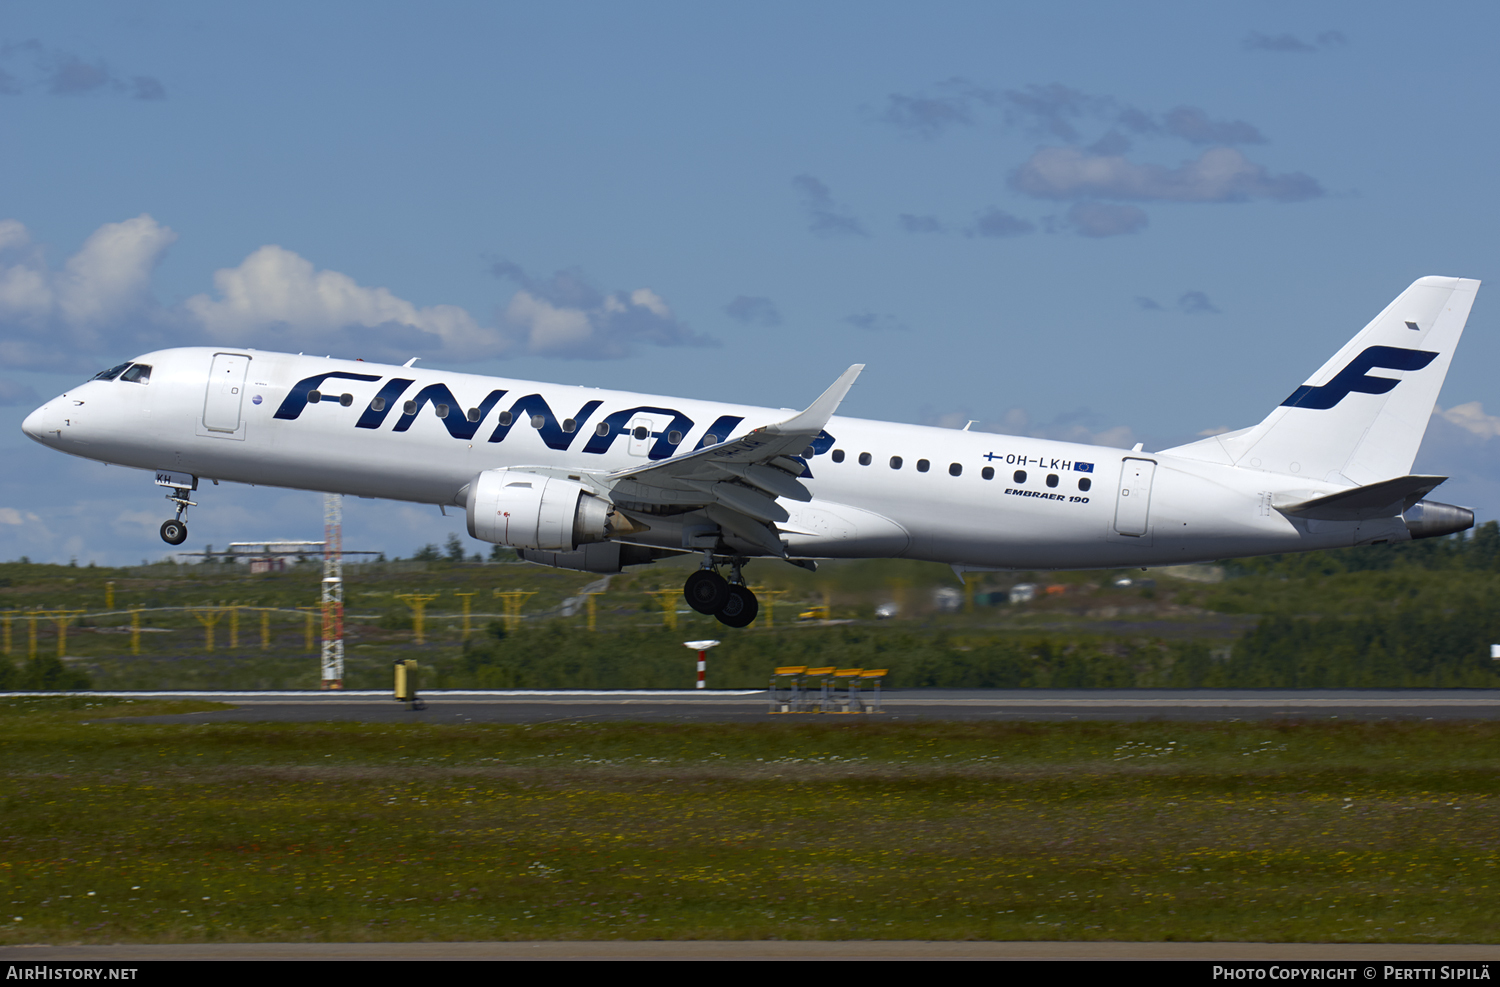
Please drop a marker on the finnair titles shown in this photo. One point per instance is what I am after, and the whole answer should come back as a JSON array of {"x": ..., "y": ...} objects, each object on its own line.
[{"x": 596, "y": 480}]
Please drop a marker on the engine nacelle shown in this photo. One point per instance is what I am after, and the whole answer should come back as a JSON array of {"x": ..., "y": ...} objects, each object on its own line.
[
  {"x": 1429, "y": 519},
  {"x": 527, "y": 510}
]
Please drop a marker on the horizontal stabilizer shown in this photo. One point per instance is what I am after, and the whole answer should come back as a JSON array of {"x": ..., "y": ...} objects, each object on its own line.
[{"x": 1388, "y": 498}]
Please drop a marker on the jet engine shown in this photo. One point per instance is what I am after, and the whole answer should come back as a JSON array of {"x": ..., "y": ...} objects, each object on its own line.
[
  {"x": 1429, "y": 519},
  {"x": 527, "y": 510}
]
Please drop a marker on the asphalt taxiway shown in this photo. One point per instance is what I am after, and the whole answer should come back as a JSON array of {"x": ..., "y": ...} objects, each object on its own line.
[{"x": 746, "y": 706}]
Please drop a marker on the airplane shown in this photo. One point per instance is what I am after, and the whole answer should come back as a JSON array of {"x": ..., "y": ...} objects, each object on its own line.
[{"x": 596, "y": 480}]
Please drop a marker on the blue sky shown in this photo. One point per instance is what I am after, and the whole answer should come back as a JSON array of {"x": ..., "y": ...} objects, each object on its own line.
[{"x": 1101, "y": 222}]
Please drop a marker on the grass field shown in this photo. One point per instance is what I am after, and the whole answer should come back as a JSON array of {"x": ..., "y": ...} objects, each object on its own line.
[{"x": 121, "y": 831}]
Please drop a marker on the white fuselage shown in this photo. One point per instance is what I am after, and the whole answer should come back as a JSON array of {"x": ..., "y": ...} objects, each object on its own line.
[{"x": 1042, "y": 505}]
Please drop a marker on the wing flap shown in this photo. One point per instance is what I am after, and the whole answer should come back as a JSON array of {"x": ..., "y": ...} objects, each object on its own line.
[{"x": 751, "y": 530}]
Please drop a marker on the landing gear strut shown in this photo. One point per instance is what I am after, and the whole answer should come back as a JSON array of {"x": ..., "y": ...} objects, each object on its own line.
[
  {"x": 174, "y": 532},
  {"x": 729, "y": 600}
]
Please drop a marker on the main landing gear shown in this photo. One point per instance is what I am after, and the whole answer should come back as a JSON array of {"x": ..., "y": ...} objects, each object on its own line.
[
  {"x": 729, "y": 600},
  {"x": 174, "y": 532}
]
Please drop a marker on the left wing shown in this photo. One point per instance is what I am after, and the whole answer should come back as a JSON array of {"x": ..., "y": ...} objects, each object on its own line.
[{"x": 736, "y": 483}]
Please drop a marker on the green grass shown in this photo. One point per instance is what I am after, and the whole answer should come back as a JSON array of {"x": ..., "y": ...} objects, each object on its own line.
[{"x": 121, "y": 831}]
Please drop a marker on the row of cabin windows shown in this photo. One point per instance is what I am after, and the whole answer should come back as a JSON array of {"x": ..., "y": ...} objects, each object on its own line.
[{"x": 957, "y": 469}]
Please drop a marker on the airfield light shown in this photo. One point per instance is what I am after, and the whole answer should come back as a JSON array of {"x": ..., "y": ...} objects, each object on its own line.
[{"x": 702, "y": 648}]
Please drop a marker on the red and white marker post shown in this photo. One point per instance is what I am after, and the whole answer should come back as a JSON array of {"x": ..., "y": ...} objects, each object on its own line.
[{"x": 702, "y": 648}]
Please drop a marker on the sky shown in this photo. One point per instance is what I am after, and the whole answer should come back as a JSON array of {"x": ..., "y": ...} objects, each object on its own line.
[{"x": 1096, "y": 222}]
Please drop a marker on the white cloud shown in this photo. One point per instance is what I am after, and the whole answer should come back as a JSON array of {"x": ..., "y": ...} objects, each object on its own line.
[
  {"x": 102, "y": 296},
  {"x": 1472, "y": 419},
  {"x": 1219, "y": 174},
  {"x": 274, "y": 290},
  {"x": 99, "y": 306}
]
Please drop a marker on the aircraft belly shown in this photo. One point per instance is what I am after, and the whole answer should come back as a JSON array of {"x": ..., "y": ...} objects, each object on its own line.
[{"x": 826, "y": 530}]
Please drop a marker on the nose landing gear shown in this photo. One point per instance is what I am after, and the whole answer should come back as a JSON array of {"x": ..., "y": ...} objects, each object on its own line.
[
  {"x": 174, "y": 532},
  {"x": 729, "y": 600}
]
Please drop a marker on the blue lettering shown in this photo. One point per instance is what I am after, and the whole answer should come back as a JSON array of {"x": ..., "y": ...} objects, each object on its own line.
[
  {"x": 660, "y": 449},
  {"x": 819, "y": 446},
  {"x": 534, "y": 405},
  {"x": 392, "y": 390},
  {"x": 296, "y": 399},
  {"x": 720, "y": 430},
  {"x": 456, "y": 421}
]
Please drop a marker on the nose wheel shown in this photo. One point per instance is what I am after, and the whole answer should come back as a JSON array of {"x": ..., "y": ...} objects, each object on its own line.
[{"x": 173, "y": 532}]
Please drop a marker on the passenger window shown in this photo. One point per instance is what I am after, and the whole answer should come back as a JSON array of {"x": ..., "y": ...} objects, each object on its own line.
[
  {"x": 673, "y": 437},
  {"x": 537, "y": 421},
  {"x": 988, "y": 472},
  {"x": 710, "y": 439},
  {"x": 641, "y": 432},
  {"x": 864, "y": 459},
  {"x": 1051, "y": 479},
  {"x": 315, "y": 396},
  {"x": 441, "y": 410},
  {"x": 378, "y": 404},
  {"x": 895, "y": 462},
  {"x": 505, "y": 417},
  {"x": 601, "y": 429},
  {"x": 473, "y": 415},
  {"x": 923, "y": 466},
  {"x": 955, "y": 469},
  {"x": 838, "y": 455},
  {"x": 1019, "y": 476},
  {"x": 1085, "y": 483},
  {"x": 569, "y": 425},
  {"x": 111, "y": 373},
  {"x": 346, "y": 399}
]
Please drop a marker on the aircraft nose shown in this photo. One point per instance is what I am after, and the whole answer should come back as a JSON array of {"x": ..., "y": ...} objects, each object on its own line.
[{"x": 35, "y": 424}]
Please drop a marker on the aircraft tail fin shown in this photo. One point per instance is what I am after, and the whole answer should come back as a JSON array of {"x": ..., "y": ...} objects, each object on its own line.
[{"x": 1361, "y": 417}]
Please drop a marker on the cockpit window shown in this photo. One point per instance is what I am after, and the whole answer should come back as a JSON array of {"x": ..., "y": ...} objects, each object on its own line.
[
  {"x": 139, "y": 373},
  {"x": 111, "y": 373}
]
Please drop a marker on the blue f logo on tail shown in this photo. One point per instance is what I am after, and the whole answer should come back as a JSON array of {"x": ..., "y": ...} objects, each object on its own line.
[{"x": 1354, "y": 377}]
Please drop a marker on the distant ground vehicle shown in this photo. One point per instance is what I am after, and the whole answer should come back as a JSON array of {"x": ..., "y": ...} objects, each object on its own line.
[
  {"x": 814, "y": 613},
  {"x": 886, "y": 611}
]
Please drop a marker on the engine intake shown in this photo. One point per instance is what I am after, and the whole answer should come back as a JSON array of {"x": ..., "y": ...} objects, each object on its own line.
[{"x": 527, "y": 510}]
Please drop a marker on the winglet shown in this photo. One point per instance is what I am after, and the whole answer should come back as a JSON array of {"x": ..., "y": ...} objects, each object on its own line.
[{"x": 817, "y": 414}]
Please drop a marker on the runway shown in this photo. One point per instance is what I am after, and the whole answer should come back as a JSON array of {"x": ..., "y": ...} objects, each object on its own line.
[{"x": 542, "y": 706}]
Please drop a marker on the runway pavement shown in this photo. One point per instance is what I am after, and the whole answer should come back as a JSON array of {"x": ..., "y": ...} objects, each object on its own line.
[{"x": 521, "y": 706}]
